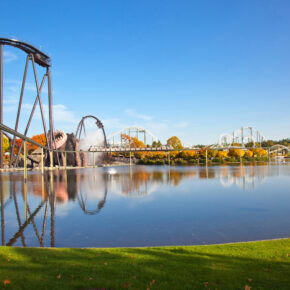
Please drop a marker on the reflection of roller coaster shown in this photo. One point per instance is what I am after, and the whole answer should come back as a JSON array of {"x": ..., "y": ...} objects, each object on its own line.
[
  {"x": 243, "y": 177},
  {"x": 48, "y": 202},
  {"x": 82, "y": 197}
]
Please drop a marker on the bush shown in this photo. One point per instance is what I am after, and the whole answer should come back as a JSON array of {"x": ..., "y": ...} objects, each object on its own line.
[
  {"x": 151, "y": 162},
  {"x": 160, "y": 162},
  {"x": 180, "y": 161},
  {"x": 192, "y": 161},
  {"x": 231, "y": 159}
]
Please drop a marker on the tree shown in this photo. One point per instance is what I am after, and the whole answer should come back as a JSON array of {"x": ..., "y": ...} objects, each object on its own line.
[
  {"x": 259, "y": 152},
  {"x": 236, "y": 153},
  {"x": 249, "y": 153},
  {"x": 222, "y": 154},
  {"x": 156, "y": 144},
  {"x": 175, "y": 143},
  {"x": 133, "y": 142},
  {"x": 6, "y": 145},
  {"x": 41, "y": 139}
]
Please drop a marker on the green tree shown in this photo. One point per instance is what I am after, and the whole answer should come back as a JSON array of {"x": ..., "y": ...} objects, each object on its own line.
[{"x": 156, "y": 144}]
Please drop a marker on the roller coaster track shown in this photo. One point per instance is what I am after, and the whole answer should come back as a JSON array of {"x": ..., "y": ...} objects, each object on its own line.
[{"x": 39, "y": 57}]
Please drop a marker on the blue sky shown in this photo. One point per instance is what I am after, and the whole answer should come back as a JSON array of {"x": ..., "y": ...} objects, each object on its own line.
[{"x": 194, "y": 69}]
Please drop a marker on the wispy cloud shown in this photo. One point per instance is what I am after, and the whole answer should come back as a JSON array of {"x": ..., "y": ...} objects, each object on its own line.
[
  {"x": 9, "y": 56},
  {"x": 181, "y": 125},
  {"x": 15, "y": 86},
  {"x": 61, "y": 114},
  {"x": 134, "y": 114},
  {"x": 10, "y": 100}
]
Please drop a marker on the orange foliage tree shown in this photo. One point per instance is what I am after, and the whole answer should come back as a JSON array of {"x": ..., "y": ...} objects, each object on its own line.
[
  {"x": 259, "y": 152},
  {"x": 236, "y": 153},
  {"x": 249, "y": 153},
  {"x": 132, "y": 141},
  {"x": 41, "y": 139},
  {"x": 222, "y": 154},
  {"x": 175, "y": 143}
]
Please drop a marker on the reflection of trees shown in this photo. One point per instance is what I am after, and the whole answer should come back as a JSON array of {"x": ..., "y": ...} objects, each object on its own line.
[
  {"x": 206, "y": 172},
  {"x": 174, "y": 177},
  {"x": 85, "y": 185},
  {"x": 132, "y": 183},
  {"x": 142, "y": 181}
]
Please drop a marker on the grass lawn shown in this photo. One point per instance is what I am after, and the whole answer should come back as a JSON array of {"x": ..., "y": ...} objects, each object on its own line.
[{"x": 260, "y": 265}]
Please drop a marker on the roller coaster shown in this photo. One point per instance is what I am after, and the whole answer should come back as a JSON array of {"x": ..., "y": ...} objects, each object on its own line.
[
  {"x": 35, "y": 56},
  {"x": 116, "y": 140},
  {"x": 241, "y": 137}
]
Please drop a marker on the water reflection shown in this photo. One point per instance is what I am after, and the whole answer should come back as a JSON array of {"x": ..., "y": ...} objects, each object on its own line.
[
  {"x": 14, "y": 187},
  {"x": 31, "y": 206}
]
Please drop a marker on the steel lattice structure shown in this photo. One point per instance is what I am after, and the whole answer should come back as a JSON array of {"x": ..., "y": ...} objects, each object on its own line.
[
  {"x": 240, "y": 136},
  {"x": 34, "y": 56},
  {"x": 132, "y": 132}
]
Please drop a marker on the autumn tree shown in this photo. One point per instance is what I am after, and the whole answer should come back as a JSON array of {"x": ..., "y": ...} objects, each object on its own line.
[
  {"x": 133, "y": 142},
  {"x": 259, "y": 152},
  {"x": 174, "y": 142},
  {"x": 236, "y": 153},
  {"x": 249, "y": 153},
  {"x": 222, "y": 154},
  {"x": 41, "y": 139},
  {"x": 6, "y": 145}
]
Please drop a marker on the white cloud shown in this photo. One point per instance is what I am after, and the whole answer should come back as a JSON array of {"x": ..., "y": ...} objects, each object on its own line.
[
  {"x": 9, "y": 56},
  {"x": 134, "y": 114},
  {"x": 10, "y": 100},
  {"x": 62, "y": 114},
  {"x": 113, "y": 124},
  {"x": 181, "y": 125},
  {"x": 32, "y": 87}
]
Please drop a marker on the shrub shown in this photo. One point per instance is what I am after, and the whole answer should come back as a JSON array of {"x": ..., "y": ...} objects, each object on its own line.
[
  {"x": 236, "y": 153},
  {"x": 160, "y": 162},
  {"x": 180, "y": 161}
]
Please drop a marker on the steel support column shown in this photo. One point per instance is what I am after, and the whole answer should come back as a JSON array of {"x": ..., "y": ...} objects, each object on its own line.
[
  {"x": 39, "y": 100},
  {"x": 1, "y": 104},
  {"x": 50, "y": 109},
  {"x": 29, "y": 121},
  {"x": 19, "y": 108}
]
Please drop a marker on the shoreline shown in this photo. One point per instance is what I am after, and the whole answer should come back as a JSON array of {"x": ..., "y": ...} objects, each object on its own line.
[{"x": 136, "y": 164}]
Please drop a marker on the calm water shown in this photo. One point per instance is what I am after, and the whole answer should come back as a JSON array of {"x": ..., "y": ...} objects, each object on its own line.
[{"x": 146, "y": 206}]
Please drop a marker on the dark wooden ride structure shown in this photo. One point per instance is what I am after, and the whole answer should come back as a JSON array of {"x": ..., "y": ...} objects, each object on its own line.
[
  {"x": 36, "y": 57},
  {"x": 82, "y": 128}
]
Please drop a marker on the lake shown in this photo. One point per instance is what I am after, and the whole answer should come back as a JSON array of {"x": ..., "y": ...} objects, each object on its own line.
[{"x": 145, "y": 206}]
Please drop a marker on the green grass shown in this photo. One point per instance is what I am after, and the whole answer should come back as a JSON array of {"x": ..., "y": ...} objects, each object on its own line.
[{"x": 260, "y": 265}]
